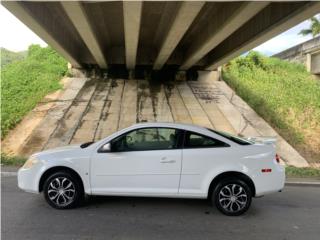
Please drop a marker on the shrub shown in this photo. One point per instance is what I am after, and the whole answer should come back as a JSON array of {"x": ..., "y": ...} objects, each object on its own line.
[
  {"x": 24, "y": 83},
  {"x": 284, "y": 94}
]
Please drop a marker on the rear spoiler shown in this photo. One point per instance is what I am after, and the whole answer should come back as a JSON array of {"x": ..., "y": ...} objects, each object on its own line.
[{"x": 263, "y": 140}]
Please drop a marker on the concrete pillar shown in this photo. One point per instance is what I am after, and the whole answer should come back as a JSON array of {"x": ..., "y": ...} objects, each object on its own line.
[
  {"x": 315, "y": 63},
  {"x": 132, "y": 18},
  {"x": 308, "y": 62},
  {"x": 185, "y": 15}
]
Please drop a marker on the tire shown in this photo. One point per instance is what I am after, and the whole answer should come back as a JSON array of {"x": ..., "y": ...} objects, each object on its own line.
[
  {"x": 63, "y": 190},
  {"x": 232, "y": 197}
]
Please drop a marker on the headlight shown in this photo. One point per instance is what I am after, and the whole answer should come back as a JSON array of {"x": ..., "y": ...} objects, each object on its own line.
[{"x": 30, "y": 162}]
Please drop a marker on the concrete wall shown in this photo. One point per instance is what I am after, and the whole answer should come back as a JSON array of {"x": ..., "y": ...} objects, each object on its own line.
[
  {"x": 307, "y": 53},
  {"x": 315, "y": 63}
]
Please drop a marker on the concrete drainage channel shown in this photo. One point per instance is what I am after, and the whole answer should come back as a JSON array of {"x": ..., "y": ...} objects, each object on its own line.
[{"x": 89, "y": 109}]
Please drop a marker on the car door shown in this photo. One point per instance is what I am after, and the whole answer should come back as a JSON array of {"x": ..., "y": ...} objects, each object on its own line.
[
  {"x": 202, "y": 155},
  {"x": 145, "y": 161}
]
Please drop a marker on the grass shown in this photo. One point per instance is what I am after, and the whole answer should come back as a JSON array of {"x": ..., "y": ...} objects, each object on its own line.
[
  {"x": 284, "y": 94},
  {"x": 12, "y": 160},
  {"x": 25, "y": 82},
  {"x": 302, "y": 172}
]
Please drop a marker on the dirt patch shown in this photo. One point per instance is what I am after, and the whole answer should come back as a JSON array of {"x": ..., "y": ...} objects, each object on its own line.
[{"x": 17, "y": 136}]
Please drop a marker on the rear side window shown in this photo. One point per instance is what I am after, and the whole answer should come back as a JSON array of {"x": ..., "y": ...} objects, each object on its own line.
[
  {"x": 195, "y": 140},
  {"x": 232, "y": 137}
]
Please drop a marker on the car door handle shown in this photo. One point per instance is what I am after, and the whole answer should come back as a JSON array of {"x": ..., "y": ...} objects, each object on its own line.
[{"x": 168, "y": 161}]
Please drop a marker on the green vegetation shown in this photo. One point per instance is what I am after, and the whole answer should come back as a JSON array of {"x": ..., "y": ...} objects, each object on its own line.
[
  {"x": 302, "y": 172},
  {"x": 12, "y": 160},
  {"x": 284, "y": 94},
  {"x": 24, "y": 83},
  {"x": 9, "y": 56},
  {"x": 314, "y": 28}
]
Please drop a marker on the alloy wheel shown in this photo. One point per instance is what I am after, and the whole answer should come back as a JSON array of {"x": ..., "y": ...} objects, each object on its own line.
[
  {"x": 233, "y": 198},
  {"x": 61, "y": 191}
]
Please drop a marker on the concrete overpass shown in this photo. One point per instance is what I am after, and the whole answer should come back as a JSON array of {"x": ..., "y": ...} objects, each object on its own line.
[
  {"x": 157, "y": 34},
  {"x": 306, "y": 53}
]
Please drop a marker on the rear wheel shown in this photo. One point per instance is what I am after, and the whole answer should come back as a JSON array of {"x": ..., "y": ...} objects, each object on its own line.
[
  {"x": 63, "y": 190},
  {"x": 232, "y": 197}
]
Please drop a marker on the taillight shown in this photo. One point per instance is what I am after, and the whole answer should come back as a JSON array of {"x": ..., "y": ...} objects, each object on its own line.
[{"x": 277, "y": 158}]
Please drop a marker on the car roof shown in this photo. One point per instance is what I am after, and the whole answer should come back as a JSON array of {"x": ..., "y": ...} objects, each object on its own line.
[{"x": 185, "y": 126}]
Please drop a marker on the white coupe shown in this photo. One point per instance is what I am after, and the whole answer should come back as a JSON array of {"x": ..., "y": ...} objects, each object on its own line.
[{"x": 158, "y": 160}]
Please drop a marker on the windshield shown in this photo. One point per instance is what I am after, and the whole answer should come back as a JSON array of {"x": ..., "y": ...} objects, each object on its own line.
[{"x": 232, "y": 138}]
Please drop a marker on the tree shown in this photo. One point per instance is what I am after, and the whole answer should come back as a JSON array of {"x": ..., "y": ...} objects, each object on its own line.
[{"x": 314, "y": 28}]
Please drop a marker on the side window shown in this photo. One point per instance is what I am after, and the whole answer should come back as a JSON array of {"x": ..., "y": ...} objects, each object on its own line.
[
  {"x": 146, "y": 139},
  {"x": 194, "y": 140}
]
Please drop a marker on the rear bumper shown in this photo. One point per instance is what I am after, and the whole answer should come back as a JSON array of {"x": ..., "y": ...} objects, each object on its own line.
[{"x": 270, "y": 182}]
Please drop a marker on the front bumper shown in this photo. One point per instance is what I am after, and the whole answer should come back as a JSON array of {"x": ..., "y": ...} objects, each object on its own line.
[{"x": 28, "y": 179}]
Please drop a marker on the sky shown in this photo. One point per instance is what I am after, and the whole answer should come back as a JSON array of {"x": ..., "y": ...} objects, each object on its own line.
[
  {"x": 15, "y": 36},
  {"x": 285, "y": 40}
]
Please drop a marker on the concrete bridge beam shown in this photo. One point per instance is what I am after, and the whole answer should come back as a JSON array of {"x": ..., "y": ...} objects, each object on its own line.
[
  {"x": 78, "y": 17},
  {"x": 132, "y": 18},
  {"x": 156, "y": 34},
  {"x": 210, "y": 38},
  {"x": 270, "y": 22},
  {"x": 28, "y": 19},
  {"x": 185, "y": 15}
]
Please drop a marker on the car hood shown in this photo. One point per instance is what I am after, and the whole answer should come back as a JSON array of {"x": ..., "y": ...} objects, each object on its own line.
[{"x": 58, "y": 150}]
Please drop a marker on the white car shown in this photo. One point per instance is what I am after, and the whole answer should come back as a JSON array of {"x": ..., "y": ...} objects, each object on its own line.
[{"x": 158, "y": 160}]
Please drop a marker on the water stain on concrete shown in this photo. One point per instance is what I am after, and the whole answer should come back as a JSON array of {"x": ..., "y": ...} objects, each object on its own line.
[
  {"x": 206, "y": 93},
  {"x": 100, "y": 103},
  {"x": 105, "y": 111},
  {"x": 155, "y": 88},
  {"x": 141, "y": 99}
]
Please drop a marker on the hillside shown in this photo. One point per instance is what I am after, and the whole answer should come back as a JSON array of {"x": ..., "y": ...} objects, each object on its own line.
[
  {"x": 24, "y": 83},
  {"x": 284, "y": 94},
  {"x": 8, "y": 56}
]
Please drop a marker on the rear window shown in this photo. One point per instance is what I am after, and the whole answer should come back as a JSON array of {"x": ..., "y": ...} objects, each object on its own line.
[
  {"x": 194, "y": 140},
  {"x": 231, "y": 137}
]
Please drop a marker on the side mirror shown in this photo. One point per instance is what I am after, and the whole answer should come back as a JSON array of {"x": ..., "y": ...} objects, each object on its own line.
[{"x": 106, "y": 148}]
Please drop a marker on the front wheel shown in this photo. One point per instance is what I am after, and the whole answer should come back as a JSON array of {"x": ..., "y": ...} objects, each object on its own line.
[
  {"x": 63, "y": 190},
  {"x": 232, "y": 197}
]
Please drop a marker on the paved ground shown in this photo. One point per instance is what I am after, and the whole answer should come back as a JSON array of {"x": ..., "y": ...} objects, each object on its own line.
[{"x": 292, "y": 214}]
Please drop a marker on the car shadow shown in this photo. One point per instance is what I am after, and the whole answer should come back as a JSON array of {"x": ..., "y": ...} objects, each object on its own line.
[
  {"x": 152, "y": 201},
  {"x": 123, "y": 202},
  {"x": 158, "y": 205}
]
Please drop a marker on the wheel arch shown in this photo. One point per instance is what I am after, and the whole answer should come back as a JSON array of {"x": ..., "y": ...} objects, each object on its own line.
[
  {"x": 55, "y": 169},
  {"x": 232, "y": 174}
]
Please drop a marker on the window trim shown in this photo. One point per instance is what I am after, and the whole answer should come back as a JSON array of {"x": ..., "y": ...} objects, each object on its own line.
[
  {"x": 179, "y": 142},
  {"x": 202, "y": 135},
  {"x": 230, "y": 137}
]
